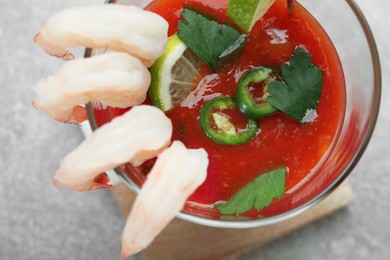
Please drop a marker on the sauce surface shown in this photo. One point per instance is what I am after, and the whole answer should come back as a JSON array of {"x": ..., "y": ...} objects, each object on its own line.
[{"x": 282, "y": 141}]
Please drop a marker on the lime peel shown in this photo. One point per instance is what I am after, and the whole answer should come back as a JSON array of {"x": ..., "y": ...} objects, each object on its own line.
[
  {"x": 245, "y": 13},
  {"x": 161, "y": 73}
]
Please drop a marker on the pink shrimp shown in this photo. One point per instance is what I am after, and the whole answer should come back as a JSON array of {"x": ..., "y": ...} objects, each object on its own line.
[
  {"x": 138, "y": 135},
  {"x": 175, "y": 176},
  {"x": 115, "y": 79},
  {"x": 121, "y": 28}
]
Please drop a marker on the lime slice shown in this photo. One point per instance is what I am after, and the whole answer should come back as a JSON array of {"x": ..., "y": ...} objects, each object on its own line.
[
  {"x": 245, "y": 13},
  {"x": 174, "y": 75}
]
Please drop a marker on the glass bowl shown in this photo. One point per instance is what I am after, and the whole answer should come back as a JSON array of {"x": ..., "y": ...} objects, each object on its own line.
[{"x": 355, "y": 44}]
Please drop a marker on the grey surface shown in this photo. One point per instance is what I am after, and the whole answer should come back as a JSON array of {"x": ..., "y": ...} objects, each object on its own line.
[{"x": 40, "y": 221}]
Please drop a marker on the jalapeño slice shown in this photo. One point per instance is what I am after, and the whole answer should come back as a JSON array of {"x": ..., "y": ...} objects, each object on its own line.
[
  {"x": 246, "y": 102},
  {"x": 218, "y": 127}
]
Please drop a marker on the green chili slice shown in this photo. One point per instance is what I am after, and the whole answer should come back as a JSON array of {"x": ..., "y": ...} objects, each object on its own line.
[
  {"x": 218, "y": 126},
  {"x": 246, "y": 102}
]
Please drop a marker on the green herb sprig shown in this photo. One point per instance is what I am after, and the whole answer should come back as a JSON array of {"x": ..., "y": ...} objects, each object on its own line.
[
  {"x": 258, "y": 194},
  {"x": 303, "y": 87},
  {"x": 212, "y": 42}
]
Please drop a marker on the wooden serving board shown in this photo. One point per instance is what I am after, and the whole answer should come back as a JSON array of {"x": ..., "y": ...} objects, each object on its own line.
[{"x": 184, "y": 240}]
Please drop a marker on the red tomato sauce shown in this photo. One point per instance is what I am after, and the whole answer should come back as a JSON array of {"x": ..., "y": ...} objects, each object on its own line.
[{"x": 282, "y": 141}]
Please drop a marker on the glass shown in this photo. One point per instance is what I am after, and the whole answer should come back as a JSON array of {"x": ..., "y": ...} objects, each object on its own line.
[{"x": 355, "y": 44}]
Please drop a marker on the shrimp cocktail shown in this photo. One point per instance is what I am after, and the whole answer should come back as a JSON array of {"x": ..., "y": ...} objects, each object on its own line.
[{"x": 221, "y": 109}]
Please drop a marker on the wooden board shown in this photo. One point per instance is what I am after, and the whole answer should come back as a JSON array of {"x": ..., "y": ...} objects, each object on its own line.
[{"x": 183, "y": 240}]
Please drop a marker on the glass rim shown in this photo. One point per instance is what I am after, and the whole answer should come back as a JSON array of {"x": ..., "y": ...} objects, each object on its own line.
[{"x": 377, "y": 80}]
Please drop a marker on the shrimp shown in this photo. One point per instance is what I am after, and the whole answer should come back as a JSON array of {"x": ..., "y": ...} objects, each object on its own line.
[
  {"x": 121, "y": 28},
  {"x": 136, "y": 136},
  {"x": 175, "y": 176},
  {"x": 115, "y": 79}
]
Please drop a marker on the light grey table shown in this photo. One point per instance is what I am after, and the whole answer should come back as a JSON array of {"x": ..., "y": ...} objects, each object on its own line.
[{"x": 40, "y": 221}]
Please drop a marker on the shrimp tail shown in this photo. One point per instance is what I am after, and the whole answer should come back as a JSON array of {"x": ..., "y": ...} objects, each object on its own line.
[
  {"x": 126, "y": 254},
  {"x": 51, "y": 49},
  {"x": 99, "y": 182},
  {"x": 130, "y": 248},
  {"x": 77, "y": 115}
]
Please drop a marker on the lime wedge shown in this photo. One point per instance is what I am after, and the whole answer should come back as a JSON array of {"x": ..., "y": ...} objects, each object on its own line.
[
  {"x": 174, "y": 75},
  {"x": 245, "y": 13}
]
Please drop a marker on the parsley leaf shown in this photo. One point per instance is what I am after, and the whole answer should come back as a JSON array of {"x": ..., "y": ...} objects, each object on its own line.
[
  {"x": 259, "y": 193},
  {"x": 304, "y": 86},
  {"x": 213, "y": 43}
]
